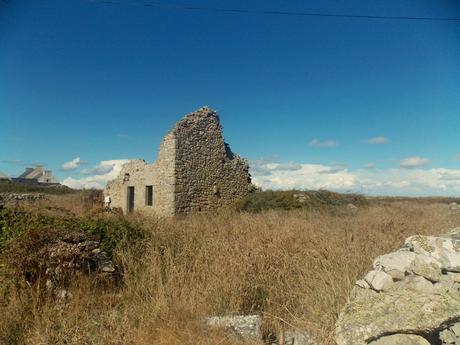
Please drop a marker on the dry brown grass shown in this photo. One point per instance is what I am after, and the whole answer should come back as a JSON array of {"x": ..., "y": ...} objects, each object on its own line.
[{"x": 294, "y": 267}]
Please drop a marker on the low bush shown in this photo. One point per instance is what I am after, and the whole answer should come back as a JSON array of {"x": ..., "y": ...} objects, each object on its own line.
[{"x": 289, "y": 200}]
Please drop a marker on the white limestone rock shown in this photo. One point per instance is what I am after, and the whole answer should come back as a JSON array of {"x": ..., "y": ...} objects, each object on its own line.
[
  {"x": 396, "y": 264},
  {"x": 239, "y": 327},
  {"x": 444, "y": 249},
  {"x": 426, "y": 267},
  {"x": 379, "y": 280},
  {"x": 401, "y": 339},
  {"x": 423, "y": 298}
]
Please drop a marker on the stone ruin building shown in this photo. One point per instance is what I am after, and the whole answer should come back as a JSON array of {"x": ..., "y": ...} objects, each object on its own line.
[{"x": 195, "y": 171}]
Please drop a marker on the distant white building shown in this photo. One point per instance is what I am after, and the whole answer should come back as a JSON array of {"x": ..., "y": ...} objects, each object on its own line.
[{"x": 36, "y": 175}]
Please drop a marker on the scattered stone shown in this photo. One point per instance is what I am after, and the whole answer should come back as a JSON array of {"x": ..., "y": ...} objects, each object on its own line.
[{"x": 239, "y": 327}]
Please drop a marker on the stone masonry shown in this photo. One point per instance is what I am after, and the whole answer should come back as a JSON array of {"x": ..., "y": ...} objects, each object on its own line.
[{"x": 195, "y": 171}]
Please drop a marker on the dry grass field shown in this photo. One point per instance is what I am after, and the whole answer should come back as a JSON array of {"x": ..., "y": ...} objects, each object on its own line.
[{"x": 295, "y": 267}]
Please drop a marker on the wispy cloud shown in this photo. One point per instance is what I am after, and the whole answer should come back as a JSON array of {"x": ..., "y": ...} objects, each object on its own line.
[
  {"x": 378, "y": 140},
  {"x": 457, "y": 157},
  {"x": 291, "y": 166},
  {"x": 309, "y": 176},
  {"x": 123, "y": 136},
  {"x": 72, "y": 165},
  {"x": 13, "y": 162},
  {"x": 97, "y": 176},
  {"x": 326, "y": 143},
  {"x": 413, "y": 162},
  {"x": 370, "y": 166}
]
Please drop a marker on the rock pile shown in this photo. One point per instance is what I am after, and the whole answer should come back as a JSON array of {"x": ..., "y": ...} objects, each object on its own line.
[
  {"x": 411, "y": 296},
  {"x": 76, "y": 253},
  {"x": 57, "y": 256}
]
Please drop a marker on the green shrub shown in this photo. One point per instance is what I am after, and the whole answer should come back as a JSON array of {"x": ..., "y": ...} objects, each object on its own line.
[
  {"x": 15, "y": 223},
  {"x": 288, "y": 200}
]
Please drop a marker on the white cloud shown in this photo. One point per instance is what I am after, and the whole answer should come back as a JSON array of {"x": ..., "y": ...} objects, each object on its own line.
[
  {"x": 308, "y": 176},
  {"x": 394, "y": 181},
  {"x": 370, "y": 166},
  {"x": 72, "y": 165},
  {"x": 413, "y": 162},
  {"x": 378, "y": 140},
  {"x": 325, "y": 143},
  {"x": 98, "y": 176}
]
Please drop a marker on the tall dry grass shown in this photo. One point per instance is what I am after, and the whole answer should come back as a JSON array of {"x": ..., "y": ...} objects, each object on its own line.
[{"x": 296, "y": 268}]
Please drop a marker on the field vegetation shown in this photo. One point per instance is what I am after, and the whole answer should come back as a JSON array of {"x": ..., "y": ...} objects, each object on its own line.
[
  {"x": 7, "y": 186},
  {"x": 292, "y": 262}
]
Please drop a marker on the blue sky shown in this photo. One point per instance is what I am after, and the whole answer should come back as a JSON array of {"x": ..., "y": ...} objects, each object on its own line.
[{"x": 300, "y": 97}]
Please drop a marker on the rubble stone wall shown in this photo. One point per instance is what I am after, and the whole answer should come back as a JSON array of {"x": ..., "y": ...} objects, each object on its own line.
[
  {"x": 195, "y": 171},
  {"x": 208, "y": 174},
  {"x": 411, "y": 296}
]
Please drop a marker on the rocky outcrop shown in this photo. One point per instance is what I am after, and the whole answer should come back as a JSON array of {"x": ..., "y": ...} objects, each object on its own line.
[{"x": 411, "y": 296}]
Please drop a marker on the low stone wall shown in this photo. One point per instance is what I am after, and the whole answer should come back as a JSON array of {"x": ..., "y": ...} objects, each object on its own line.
[
  {"x": 12, "y": 197},
  {"x": 411, "y": 296}
]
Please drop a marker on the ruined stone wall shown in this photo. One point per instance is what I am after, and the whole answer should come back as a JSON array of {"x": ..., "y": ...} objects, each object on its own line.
[
  {"x": 208, "y": 174},
  {"x": 131, "y": 174},
  {"x": 139, "y": 174},
  {"x": 195, "y": 171}
]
